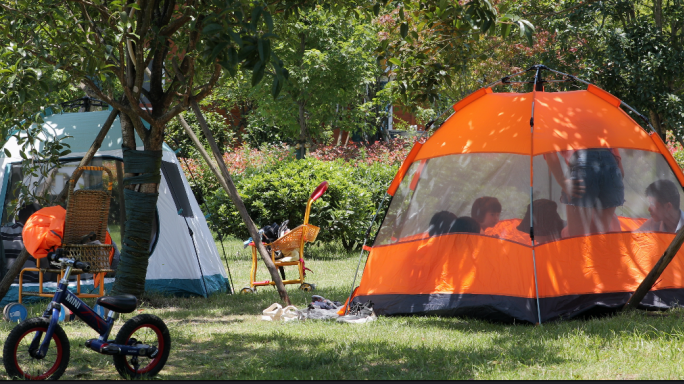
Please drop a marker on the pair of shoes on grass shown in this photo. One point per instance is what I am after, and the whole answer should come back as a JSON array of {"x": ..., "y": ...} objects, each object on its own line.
[
  {"x": 276, "y": 312},
  {"x": 359, "y": 313}
]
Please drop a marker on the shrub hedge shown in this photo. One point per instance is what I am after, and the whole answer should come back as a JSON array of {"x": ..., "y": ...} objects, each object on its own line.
[
  {"x": 343, "y": 213},
  {"x": 275, "y": 187}
]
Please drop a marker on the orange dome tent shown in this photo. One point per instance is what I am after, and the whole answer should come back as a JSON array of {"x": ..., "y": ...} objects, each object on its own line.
[{"x": 499, "y": 145}]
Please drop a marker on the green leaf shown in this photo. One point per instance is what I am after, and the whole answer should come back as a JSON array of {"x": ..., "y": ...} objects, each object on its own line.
[
  {"x": 277, "y": 86},
  {"x": 256, "y": 12},
  {"x": 376, "y": 9},
  {"x": 218, "y": 49},
  {"x": 211, "y": 29},
  {"x": 235, "y": 36},
  {"x": 485, "y": 26},
  {"x": 506, "y": 30},
  {"x": 257, "y": 73},
  {"x": 395, "y": 61},
  {"x": 403, "y": 30},
  {"x": 269, "y": 21},
  {"x": 7, "y": 152}
]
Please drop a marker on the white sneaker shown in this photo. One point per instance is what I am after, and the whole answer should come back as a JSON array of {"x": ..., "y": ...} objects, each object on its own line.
[
  {"x": 289, "y": 313},
  {"x": 272, "y": 313}
]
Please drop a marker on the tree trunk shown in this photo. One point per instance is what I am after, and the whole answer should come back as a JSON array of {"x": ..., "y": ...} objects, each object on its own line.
[
  {"x": 658, "y": 14},
  {"x": 302, "y": 131},
  {"x": 141, "y": 184},
  {"x": 122, "y": 199},
  {"x": 227, "y": 183},
  {"x": 655, "y": 273},
  {"x": 13, "y": 272},
  {"x": 303, "y": 134},
  {"x": 18, "y": 264},
  {"x": 655, "y": 121}
]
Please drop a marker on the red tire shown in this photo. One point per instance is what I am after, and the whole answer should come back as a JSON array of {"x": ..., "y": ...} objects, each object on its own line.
[
  {"x": 18, "y": 361},
  {"x": 143, "y": 329}
]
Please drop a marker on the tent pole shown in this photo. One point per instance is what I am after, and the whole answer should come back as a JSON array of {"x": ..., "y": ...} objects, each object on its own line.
[
  {"x": 370, "y": 226},
  {"x": 537, "y": 78}
]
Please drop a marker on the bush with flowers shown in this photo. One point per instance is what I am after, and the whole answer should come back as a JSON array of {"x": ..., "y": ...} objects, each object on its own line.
[{"x": 275, "y": 187}]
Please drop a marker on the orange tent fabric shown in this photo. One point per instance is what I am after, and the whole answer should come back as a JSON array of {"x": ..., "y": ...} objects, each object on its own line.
[
  {"x": 498, "y": 274},
  {"x": 500, "y": 123},
  {"x": 43, "y": 231}
]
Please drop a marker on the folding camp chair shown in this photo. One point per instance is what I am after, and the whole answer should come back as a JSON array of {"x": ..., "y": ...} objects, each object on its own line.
[
  {"x": 87, "y": 211},
  {"x": 293, "y": 240}
]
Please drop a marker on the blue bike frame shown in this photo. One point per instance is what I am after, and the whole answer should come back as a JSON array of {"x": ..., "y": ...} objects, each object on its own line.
[
  {"x": 79, "y": 308},
  {"x": 84, "y": 312}
]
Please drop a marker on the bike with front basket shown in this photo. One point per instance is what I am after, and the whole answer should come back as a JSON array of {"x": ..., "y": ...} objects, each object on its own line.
[{"x": 38, "y": 348}]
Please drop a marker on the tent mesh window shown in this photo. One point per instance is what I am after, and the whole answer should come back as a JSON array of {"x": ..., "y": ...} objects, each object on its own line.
[{"x": 453, "y": 183}]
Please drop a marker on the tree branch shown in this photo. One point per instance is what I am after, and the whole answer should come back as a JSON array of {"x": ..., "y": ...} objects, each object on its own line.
[
  {"x": 174, "y": 26},
  {"x": 206, "y": 89},
  {"x": 92, "y": 24},
  {"x": 581, "y": 4},
  {"x": 85, "y": 33},
  {"x": 106, "y": 16},
  {"x": 109, "y": 100}
]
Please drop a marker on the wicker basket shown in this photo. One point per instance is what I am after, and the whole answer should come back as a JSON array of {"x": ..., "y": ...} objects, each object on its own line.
[
  {"x": 95, "y": 255},
  {"x": 88, "y": 211},
  {"x": 292, "y": 239}
]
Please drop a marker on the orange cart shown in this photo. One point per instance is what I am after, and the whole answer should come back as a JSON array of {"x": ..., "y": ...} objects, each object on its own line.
[{"x": 291, "y": 245}]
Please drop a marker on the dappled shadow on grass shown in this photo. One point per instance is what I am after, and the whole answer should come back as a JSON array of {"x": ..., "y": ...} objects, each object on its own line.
[
  {"x": 643, "y": 324},
  {"x": 601, "y": 330},
  {"x": 209, "y": 343},
  {"x": 285, "y": 356},
  {"x": 239, "y": 304}
]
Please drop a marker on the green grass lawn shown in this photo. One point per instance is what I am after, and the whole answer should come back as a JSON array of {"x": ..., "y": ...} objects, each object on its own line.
[{"x": 222, "y": 337}]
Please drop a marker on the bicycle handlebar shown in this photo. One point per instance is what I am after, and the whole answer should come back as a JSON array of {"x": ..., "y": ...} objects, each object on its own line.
[
  {"x": 82, "y": 265},
  {"x": 55, "y": 258}
]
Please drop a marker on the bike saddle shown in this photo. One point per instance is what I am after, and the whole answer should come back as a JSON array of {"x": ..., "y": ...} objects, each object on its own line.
[{"x": 120, "y": 303}]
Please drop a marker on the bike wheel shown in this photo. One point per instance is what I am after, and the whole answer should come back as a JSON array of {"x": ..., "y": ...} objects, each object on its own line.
[
  {"x": 17, "y": 358},
  {"x": 143, "y": 329}
]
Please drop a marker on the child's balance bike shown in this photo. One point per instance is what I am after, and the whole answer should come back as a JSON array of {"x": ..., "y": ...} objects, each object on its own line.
[{"x": 38, "y": 348}]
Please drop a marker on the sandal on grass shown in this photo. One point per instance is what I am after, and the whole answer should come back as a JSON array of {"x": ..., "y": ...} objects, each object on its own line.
[
  {"x": 272, "y": 313},
  {"x": 289, "y": 313}
]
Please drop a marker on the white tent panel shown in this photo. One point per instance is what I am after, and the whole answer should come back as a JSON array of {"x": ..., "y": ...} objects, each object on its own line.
[
  {"x": 206, "y": 247},
  {"x": 179, "y": 263},
  {"x": 174, "y": 255}
]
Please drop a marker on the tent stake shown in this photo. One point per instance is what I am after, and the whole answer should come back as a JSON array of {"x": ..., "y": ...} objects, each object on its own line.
[
  {"x": 655, "y": 273},
  {"x": 351, "y": 291}
]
